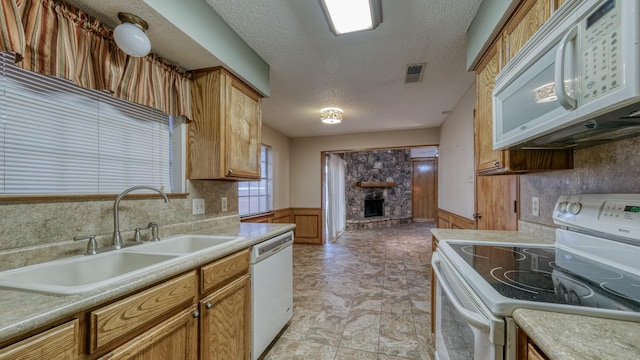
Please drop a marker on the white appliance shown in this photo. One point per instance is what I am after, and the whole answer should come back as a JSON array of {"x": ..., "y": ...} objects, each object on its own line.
[
  {"x": 271, "y": 290},
  {"x": 576, "y": 82},
  {"x": 592, "y": 270}
]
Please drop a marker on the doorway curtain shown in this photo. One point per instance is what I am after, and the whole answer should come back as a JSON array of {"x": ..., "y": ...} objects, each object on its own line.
[{"x": 335, "y": 200}]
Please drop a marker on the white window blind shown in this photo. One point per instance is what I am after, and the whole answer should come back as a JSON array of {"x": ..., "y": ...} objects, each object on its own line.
[
  {"x": 58, "y": 138},
  {"x": 255, "y": 197}
]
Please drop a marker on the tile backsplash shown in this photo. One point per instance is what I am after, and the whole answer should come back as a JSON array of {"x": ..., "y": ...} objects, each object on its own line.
[
  {"x": 39, "y": 231},
  {"x": 609, "y": 168}
]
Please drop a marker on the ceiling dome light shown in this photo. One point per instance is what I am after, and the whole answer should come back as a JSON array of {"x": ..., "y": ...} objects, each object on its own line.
[
  {"x": 130, "y": 36},
  {"x": 331, "y": 115}
]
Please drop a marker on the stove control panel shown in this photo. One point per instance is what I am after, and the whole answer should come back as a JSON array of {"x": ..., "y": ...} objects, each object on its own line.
[{"x": 615, "y": 214}]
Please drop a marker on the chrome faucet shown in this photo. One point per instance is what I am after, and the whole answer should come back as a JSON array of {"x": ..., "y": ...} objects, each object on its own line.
[{"x": 117, "y": 238}]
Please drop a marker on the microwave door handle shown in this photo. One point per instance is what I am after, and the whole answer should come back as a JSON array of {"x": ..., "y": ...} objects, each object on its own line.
[
  {"x": 564, "y": 99},
  {"x": 474, "y": 319}
]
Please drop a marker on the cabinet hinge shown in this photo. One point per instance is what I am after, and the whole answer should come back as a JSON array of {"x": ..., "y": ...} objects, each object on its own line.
[
  {"x": 477, "y": 216},
  {"x": 515, "y": 206}
]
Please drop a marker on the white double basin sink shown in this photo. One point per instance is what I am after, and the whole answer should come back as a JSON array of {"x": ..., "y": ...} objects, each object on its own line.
[{"x": 79, "y": 274}]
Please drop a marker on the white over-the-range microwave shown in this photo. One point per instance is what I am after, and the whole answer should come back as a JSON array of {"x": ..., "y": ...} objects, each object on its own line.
[{"x": 576, "y": 82}]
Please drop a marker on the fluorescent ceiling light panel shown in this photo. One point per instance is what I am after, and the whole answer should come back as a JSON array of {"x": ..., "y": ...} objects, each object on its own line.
[{"x": 345, "y": 16}]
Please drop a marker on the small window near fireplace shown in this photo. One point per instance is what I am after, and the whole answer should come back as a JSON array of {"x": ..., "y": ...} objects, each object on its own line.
[{"x": 373, "y": 208}]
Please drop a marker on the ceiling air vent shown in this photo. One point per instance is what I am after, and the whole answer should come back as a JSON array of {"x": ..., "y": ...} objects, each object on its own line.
[{"x": 414, "y": 73}]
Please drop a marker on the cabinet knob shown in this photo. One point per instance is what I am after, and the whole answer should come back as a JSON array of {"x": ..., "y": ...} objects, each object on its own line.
[
  {"x": 208, "y": 305},
  {"x": 196, "y": 314},
  {"x": 497, "y": 163},
  {"x": 230, "y": 172}
]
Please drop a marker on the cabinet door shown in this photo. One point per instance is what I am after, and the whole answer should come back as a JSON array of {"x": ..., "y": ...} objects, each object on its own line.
[
  {"x": 486, "y": 157},
  {"x": 224, "y": 134},
  {"x": 527, "y": 19},
  {"x": 226, "y": 322},
  {"x": 59, "y": 343},
  {"x": 497, "y": 199},
  {"x": 244, "y": 121},
  {"x": 175, "y": 339}
]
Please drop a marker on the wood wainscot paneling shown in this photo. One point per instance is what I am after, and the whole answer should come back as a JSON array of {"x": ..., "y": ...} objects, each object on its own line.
[
  {"x": 281, "y": 216},
  {"x": 308, "y": 225},
  {"x": 449, "y": 220}
]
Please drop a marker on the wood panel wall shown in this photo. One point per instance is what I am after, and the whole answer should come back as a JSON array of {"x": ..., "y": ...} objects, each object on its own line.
[
  {"x": 449, "y": 220},
  {"x": 308, "y": 225},
  {"x": 280, "y": 216}
]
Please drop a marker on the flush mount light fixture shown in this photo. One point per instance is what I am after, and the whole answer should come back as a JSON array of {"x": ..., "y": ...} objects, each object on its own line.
[
  {"x": 331, "y": 115},
  {"x": 353, "y": 15},
  {"x": 130, "y": 36}
]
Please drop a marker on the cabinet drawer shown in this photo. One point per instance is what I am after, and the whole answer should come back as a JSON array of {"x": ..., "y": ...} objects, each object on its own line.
[
  {"x": 175, "y": 338},
  {"x": 128, "y": 315},
  {"x": 58, "y": 343},
  {"x": 223, "y": 270}
]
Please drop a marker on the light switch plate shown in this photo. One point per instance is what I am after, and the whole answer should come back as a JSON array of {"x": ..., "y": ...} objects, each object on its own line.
[
  {"x": 223, "y": 204},
  {"x": 535, "y": 206},
  {"x": 198, "y": 206}
]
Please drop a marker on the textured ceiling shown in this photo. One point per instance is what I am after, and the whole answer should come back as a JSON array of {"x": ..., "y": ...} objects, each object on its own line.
[{"x": 362, "y": 73}]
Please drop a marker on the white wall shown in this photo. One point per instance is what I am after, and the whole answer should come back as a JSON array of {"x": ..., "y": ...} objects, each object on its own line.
[
  {"x": 306, "y": 175},
  {"x": 280, "y": 150},
  {"x": 456, "y": 162}
]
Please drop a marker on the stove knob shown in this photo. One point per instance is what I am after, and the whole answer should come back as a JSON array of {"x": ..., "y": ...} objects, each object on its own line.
[
  {"x": 562, "y": 207},
  {"x": 574, "y": 208}
]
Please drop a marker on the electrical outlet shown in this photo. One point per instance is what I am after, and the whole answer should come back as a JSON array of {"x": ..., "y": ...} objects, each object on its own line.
[
  {"x": 223, "y": 204},
  {"x": 198, "y": 206},
  {"x": 535, "y": 206}
]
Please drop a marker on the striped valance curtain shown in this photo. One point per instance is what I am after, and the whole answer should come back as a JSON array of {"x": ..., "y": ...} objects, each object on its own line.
[{"x": 54, "y": 38}]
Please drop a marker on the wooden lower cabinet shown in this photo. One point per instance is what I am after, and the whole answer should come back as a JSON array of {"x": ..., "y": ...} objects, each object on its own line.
[
  {"x": 526, "y": 349},
  {"x": 58, "y": 343},
  {"x": 225, "y": 322},
  {"x": 111, "y": 323},
  {"x": 204, "y": 313},
  {"x": 175, "y": 339}
]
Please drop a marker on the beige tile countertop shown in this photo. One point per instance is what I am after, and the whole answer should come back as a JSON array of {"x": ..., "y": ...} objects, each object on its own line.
[
  {"x": 22, "y": 311},
  {"x": 562, "y": 336},
  {"x": 570, "y": 337}
]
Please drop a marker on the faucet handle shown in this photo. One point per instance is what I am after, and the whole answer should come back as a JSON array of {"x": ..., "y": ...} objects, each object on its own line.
[
  {"x": 154, "y": 231},
  {"x": 138, "y": 236},
  {"x": 92, "y": 245}
]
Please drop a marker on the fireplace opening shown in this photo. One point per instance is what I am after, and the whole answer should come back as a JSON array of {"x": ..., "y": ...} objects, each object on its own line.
[{"x": 373, "y": 208}]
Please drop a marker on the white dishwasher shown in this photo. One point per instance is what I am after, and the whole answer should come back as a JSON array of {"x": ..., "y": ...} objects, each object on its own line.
[{"x": 271, "y": 290}]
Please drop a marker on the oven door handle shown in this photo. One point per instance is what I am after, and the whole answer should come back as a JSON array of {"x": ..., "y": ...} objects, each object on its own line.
[{"x": 475, "y": 319}]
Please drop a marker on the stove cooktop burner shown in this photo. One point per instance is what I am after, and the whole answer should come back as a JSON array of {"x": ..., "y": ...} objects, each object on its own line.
[{"x": 551, "y": 275}]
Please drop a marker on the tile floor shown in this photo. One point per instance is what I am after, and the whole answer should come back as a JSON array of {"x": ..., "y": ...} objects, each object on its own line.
[{"x": 364, "y": 296}]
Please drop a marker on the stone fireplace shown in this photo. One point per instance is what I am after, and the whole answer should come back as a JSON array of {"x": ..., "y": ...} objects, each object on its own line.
[{"x": 380, "y": 179}]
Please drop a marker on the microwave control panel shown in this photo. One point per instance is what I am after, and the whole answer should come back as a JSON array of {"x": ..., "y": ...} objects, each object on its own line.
[{"x": 601, "y": 52}]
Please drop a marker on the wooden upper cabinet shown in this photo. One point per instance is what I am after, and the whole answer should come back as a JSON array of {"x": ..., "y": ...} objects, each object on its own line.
[
  {"x": 526, "y": 20},
  {"x": 486, "y": 157},
  {"x": 224, "y": 134}
]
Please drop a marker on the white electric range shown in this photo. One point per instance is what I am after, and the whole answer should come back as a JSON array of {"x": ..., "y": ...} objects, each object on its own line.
[{"x": 592, "y": 269}]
